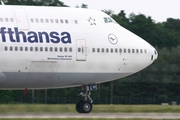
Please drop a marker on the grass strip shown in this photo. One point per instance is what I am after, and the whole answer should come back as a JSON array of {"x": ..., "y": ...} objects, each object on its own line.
[{"x": 70, "y": 108}]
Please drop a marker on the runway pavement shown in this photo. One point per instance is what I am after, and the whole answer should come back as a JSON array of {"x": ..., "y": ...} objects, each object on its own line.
[{"x": 96, "y": 115}]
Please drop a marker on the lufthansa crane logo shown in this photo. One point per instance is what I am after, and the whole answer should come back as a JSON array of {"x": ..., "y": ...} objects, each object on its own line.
[{"x": 112, "y": 39}]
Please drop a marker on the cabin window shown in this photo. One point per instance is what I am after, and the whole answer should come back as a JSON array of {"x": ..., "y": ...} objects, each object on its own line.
[
  {"x": 32, "y": 20},
  {"x": 141, "y": 51},
  {"x": 16, "y": 48},
  {"x": 137, "y": 51},
  {"x": 11, "y": 48},
  {"x": 5, "y": 48},
  {"x": 31, "y": 48},
  {"x": 6, "y": 19},
  {"x": 61, "y": 21},
  {"x": 145, "y": 51},
  {"x": 60, "y": 49},
  {"x": 11, "y": 19},
  {"x": 120, "y": 50},
  {"x": 21, "y": 48},
  {"x": 51, "y": 49},
  {"x": 98, "y": 50},
  {"x": 93, "y": 49},
  {"x": 47, "y": 21},
  {"x": 116, "y": 50},
  {"x": 36, "y": 48},
  {"x": 102, "y": 49},
  {"x": 111, "y": 50},
  {"x": 70, "y": 49},
  {"x": 66, "y": 21},
  {"x": 75, "y": 21},
  {"x": 41, "y": 48},
  {"x": 1, "y": 19},
  {"x": 133, "y": 50},
  {"x": 42, "y": 20},
  {"x": 52, "y": 21},
  {"x": 37, "y": 20},
  {"x": 129, "y": 50},
  {"x": 107, "y": 50},
  {"x": 124, "y": 50},
  {"x": 26, "y": 48},
  {"x": 56, "y": 49},
  {"x": 65, "y": 49},
  {"x": 46, "y": 49},
  {"x": 56, "y": 20}
]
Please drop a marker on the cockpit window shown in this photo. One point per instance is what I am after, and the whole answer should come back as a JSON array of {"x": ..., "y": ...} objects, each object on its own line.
[
  {"x": 108, "y": 20},
  {"x": 155, "y": 52}
]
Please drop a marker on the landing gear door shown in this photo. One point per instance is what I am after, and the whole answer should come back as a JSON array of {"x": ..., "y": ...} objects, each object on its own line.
[{"x": 81, "y": 50}]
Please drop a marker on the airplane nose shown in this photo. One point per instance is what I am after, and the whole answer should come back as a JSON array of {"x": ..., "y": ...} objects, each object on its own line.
[{"x": 155, "y": 54}]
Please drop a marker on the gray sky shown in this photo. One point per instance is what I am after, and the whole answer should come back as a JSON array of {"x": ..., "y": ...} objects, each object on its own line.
[{"x": 159, "y": 10}]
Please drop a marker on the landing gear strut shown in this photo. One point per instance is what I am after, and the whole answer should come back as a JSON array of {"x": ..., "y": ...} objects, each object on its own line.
[{"x": 85, "y": 106}]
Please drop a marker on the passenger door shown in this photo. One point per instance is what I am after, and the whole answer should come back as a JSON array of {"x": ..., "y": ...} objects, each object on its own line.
[
  {"x": 21, "y": 18},
  {"x": 81, "y": 50}
]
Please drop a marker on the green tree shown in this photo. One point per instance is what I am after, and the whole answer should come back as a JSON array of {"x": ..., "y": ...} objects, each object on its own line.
[
  {"x": 172, "y": 24},
  {"x": 109, "y": 12},
  {"x": 121, "y": 19},
  {"x": 153, "y": 33},
  {"x": 82, "y": 6},
  {"x": 36, "y": 2}
]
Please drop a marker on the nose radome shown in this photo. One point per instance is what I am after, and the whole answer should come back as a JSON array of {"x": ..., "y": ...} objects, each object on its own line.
[{"x": 155, "y": 54}]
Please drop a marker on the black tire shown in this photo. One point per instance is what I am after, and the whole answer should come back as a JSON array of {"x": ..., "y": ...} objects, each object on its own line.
[
  {"x": 78, "y": 107},
  {"x": 86, "y": 107}
]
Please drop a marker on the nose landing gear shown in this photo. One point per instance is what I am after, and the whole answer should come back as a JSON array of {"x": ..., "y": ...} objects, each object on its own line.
[{"x": 85, "y": 106}]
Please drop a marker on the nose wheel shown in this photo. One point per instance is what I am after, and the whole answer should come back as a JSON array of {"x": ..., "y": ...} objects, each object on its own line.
[{"x": 85, "y": 106}]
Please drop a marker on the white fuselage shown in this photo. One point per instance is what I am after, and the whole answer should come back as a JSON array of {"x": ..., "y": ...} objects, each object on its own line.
[{"x": 52, "y": 47}]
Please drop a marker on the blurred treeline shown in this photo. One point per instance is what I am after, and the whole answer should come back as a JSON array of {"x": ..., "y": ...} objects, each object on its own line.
[{"x": 160, "y": 81}]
